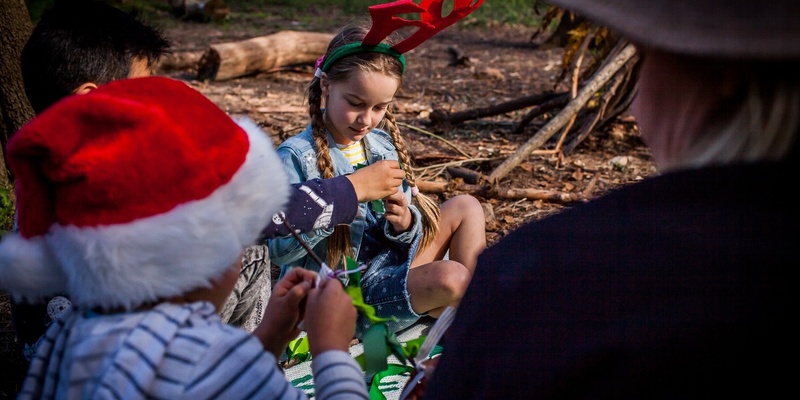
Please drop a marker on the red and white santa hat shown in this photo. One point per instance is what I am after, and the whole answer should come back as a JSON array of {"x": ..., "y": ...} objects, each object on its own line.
[{"x": 142, "y": 189}]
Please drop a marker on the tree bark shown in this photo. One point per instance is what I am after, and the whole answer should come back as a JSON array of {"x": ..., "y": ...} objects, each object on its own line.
[
  {"x": 235, "y": 59},
  {"x": 15, "y": 28}
]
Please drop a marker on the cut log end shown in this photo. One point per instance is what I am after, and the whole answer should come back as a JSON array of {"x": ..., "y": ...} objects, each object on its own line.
[{"x": 208, "y": 66}]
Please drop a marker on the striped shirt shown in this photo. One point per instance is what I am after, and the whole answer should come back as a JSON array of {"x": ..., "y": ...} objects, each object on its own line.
[
  {"x": 354, "y": 153},
  {"x": 171, "y": 352}
]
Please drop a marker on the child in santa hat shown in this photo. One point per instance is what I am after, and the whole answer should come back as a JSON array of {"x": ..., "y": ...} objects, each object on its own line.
[
  {"x": 139, "y": 210},
  {"x": 78, "y": 46}
]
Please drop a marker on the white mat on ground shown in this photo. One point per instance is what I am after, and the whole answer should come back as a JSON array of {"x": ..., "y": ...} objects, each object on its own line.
[{"x": 391, "y": 386}]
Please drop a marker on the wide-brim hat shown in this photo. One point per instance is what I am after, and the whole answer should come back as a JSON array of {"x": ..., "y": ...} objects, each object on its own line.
[
  {"x": 719, "y": 28},
  {"x": 140, "y": 190}
]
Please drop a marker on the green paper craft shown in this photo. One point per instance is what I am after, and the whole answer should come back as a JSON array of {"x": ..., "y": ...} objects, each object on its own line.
[
  {"x": 374, "y": 354},
  {"x": 375, "y": 392},
  {"x": 298, "y": 349},
  {"x": 353, "y": 289},
  {"x": 379, "y": 342}
]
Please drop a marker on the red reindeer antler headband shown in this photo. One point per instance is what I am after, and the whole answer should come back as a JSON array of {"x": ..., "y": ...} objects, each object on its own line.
[{"x": 385, "y": 21}]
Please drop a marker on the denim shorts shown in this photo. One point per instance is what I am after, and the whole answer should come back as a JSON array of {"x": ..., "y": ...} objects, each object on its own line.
[{"x": 384, "y": 288}]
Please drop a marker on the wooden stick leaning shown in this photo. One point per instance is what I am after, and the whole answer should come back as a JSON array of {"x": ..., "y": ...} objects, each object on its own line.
[{"x": 564, "y": 116}]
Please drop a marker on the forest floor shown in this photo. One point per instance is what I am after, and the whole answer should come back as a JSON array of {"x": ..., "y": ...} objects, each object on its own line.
[{"x": 499, "y": 64}]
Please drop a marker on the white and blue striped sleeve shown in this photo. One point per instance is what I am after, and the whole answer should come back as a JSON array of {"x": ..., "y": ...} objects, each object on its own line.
[{"x": 338, "y": 376}]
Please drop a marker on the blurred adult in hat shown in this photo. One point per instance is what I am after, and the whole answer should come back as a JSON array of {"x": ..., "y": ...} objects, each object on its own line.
[
  {"x": 139, "y": 209},
  {"x": 676, "y": 286}
]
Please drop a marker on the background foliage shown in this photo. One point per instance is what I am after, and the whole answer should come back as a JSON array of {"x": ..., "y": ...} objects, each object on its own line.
[{"x": 524, "y": 12}]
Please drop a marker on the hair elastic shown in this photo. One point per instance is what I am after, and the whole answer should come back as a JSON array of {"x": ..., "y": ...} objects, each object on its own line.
[{"x": 317, "y": 65}]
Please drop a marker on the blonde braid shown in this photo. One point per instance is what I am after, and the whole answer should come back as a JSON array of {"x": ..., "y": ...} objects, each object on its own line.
[
  {"x": 339, "y": 243},
  {"x": 427, "y": 206}
]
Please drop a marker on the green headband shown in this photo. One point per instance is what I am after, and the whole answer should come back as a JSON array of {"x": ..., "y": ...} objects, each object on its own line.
[{"x": 357, "y": 48}]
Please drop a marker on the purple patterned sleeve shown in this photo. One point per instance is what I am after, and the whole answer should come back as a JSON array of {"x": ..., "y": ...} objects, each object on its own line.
[{"x": 315, "y": 204}]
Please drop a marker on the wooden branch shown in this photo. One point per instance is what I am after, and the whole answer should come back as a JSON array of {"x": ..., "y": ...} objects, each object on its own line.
[
  {"x": 537, "y": 194},
  {"x": 564, "y": 116},
  {"x": 444, "y": 187},
  {"x": 442, "y": 117},
  {"x": 507, "y": 194},
  {"x": 617, "y": 99},
  {"x": 552, "y": 104},
  {"x": 180, "y": 60},
  {"x": 592, "y": 121},
  {"x": 235, "y": 59},
  {"x": 630, "y": 87},
  {"x": 467, "y": 175}
]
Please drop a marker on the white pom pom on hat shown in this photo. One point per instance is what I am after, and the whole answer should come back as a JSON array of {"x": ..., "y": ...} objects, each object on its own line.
[{"x": 142, "y": 189}]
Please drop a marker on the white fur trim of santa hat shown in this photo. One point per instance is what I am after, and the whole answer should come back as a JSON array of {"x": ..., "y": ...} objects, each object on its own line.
[{"x": 161, "y": 197}]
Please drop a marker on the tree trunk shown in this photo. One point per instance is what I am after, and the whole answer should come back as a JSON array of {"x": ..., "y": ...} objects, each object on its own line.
[
  {"x": 15, "y": 28},
  {"x": 232, "y": 60}
]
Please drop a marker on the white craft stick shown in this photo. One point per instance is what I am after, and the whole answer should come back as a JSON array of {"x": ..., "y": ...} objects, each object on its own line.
[{"x": 437, "y": 330}]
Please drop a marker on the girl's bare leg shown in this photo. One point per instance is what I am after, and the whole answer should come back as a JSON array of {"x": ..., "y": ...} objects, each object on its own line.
[
  {"x": 436, "y": 285},
  {"x": 462, "y": 230}
]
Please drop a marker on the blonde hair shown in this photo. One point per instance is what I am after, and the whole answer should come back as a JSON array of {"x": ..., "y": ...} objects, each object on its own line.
[
  {"x": 339, "y": 243},
  {"x": 761, "y": 121}
]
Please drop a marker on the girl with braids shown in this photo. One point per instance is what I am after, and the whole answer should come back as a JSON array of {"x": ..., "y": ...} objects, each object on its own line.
[{"x": 403, "y": 238}]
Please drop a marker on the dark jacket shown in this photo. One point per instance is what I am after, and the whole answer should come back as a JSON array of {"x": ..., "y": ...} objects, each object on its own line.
[{"x": 674, "y": 287}]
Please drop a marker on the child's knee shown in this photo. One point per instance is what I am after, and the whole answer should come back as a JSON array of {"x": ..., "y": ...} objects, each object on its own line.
[
  {"x": 454, "y": 279},
  {"x": 462, "y": 208},
  {"x": 468, "y": 206}
]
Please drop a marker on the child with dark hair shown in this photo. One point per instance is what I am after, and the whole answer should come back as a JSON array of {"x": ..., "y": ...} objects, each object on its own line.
[
  {"x": 144, "y": 232},
  {"x": 420, "y": 256},
  {"x": 78, "y": 45},
  {"x": 75, "y": 47}
]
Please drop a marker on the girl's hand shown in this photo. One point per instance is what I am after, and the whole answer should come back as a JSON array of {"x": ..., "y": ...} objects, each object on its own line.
[
  {"x": 396, "y": 211},
  {"x": 330, "y": 318},
  {"x": 285, "y": 310},
  {"x": 378, "y": 180}
]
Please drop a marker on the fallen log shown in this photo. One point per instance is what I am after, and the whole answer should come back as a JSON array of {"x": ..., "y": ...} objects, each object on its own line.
[
  {"x": 507, "y": 194},
  {"x": 236, "y": 59},
  {"x": 180, "y": 60}
]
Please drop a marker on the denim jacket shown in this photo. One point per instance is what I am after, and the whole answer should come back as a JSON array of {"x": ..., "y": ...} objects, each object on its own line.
[{"x": 371, "y": 236}]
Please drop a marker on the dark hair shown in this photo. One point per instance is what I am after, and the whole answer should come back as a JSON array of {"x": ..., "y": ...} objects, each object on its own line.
[
  {"x": 339, "y": 245},
  {"x": 79, "y": 41}
]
